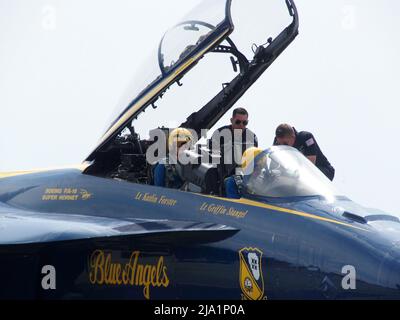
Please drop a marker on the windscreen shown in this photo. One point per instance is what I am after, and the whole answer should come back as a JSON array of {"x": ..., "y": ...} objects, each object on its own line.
[{"x": 282, "y": 172}]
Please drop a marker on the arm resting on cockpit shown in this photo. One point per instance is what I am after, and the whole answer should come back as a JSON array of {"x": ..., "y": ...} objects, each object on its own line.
[
  {"x": 159, "y": 175},
  {"x": 231, "y": 188}
]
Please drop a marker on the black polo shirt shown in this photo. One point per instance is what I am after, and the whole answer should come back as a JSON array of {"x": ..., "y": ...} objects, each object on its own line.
[
  {"x": 247, "y": 140},
  {"x": 307, "y": 145}
]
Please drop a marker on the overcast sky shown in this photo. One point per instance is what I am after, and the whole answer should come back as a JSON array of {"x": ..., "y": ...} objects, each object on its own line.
[{"x": 64, "y": 65}]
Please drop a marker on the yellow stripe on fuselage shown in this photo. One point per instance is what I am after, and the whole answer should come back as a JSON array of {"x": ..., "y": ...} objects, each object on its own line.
[
  {"x": 285, "y": 210},
  {"x": 242, "y": 201},
  {"x": 3, "y": 175},
  {"x": 133, "y": 109}
]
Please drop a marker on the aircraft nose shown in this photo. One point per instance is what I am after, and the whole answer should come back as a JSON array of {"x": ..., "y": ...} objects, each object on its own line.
[{"x": 389, "y": 271}]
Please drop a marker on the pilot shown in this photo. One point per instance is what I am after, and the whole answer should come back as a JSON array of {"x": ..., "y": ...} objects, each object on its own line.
[
  {"x": 166, "y": 173},
  {"x": 233, "y": 184},
  {"x": 304, "y": 142},
  {"x": 232, "y": 140}
]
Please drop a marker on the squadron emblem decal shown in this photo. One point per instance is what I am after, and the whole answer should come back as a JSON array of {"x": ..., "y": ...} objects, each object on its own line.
[{"x": 251, "y": 277}]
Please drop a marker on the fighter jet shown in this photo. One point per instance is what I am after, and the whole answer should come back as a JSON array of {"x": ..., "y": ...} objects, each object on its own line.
[{"x": 103, "y": 230}]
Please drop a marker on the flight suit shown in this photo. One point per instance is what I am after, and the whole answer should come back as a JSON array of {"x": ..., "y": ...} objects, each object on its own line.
[{"x": 166, "y": 175}]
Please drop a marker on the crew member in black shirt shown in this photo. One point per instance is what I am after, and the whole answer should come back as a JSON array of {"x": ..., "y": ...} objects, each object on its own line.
[
  {"x": 304, "y": 142},
  {"x": 232, "y": 141}
]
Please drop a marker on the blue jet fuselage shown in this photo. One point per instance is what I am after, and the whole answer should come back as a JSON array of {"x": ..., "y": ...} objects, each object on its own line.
[{"x": 308, "y": 250}]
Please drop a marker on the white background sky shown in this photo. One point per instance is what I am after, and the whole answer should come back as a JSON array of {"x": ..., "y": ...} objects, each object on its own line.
[{"x": 64, "y": 65}]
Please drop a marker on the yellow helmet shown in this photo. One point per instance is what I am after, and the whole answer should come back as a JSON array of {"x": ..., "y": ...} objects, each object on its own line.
[
  {"x": 249, "y": 155},
  {"x": 179, "y": 135}
]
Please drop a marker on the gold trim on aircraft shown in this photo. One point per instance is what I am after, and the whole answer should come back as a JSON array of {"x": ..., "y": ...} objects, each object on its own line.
[
  {"x": 153, "y": 92},
  {"x": 285, "y": 210},
  {"x": 3, "y": 175}
]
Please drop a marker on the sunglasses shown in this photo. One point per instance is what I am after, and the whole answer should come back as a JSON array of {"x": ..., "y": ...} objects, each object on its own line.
[{"x": 239, "y": 122}]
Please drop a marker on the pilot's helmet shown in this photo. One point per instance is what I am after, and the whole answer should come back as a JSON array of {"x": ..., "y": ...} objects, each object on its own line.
[
  {"x": 179, "y": 137},
  {"x": 248, "y": 159}
]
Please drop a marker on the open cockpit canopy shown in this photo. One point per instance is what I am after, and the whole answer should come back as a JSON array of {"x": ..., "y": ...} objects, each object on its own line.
[{"x": 207, "y": 28}]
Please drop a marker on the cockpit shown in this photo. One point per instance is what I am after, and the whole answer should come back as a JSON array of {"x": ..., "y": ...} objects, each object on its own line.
[{"x": 201, "y": 67}]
